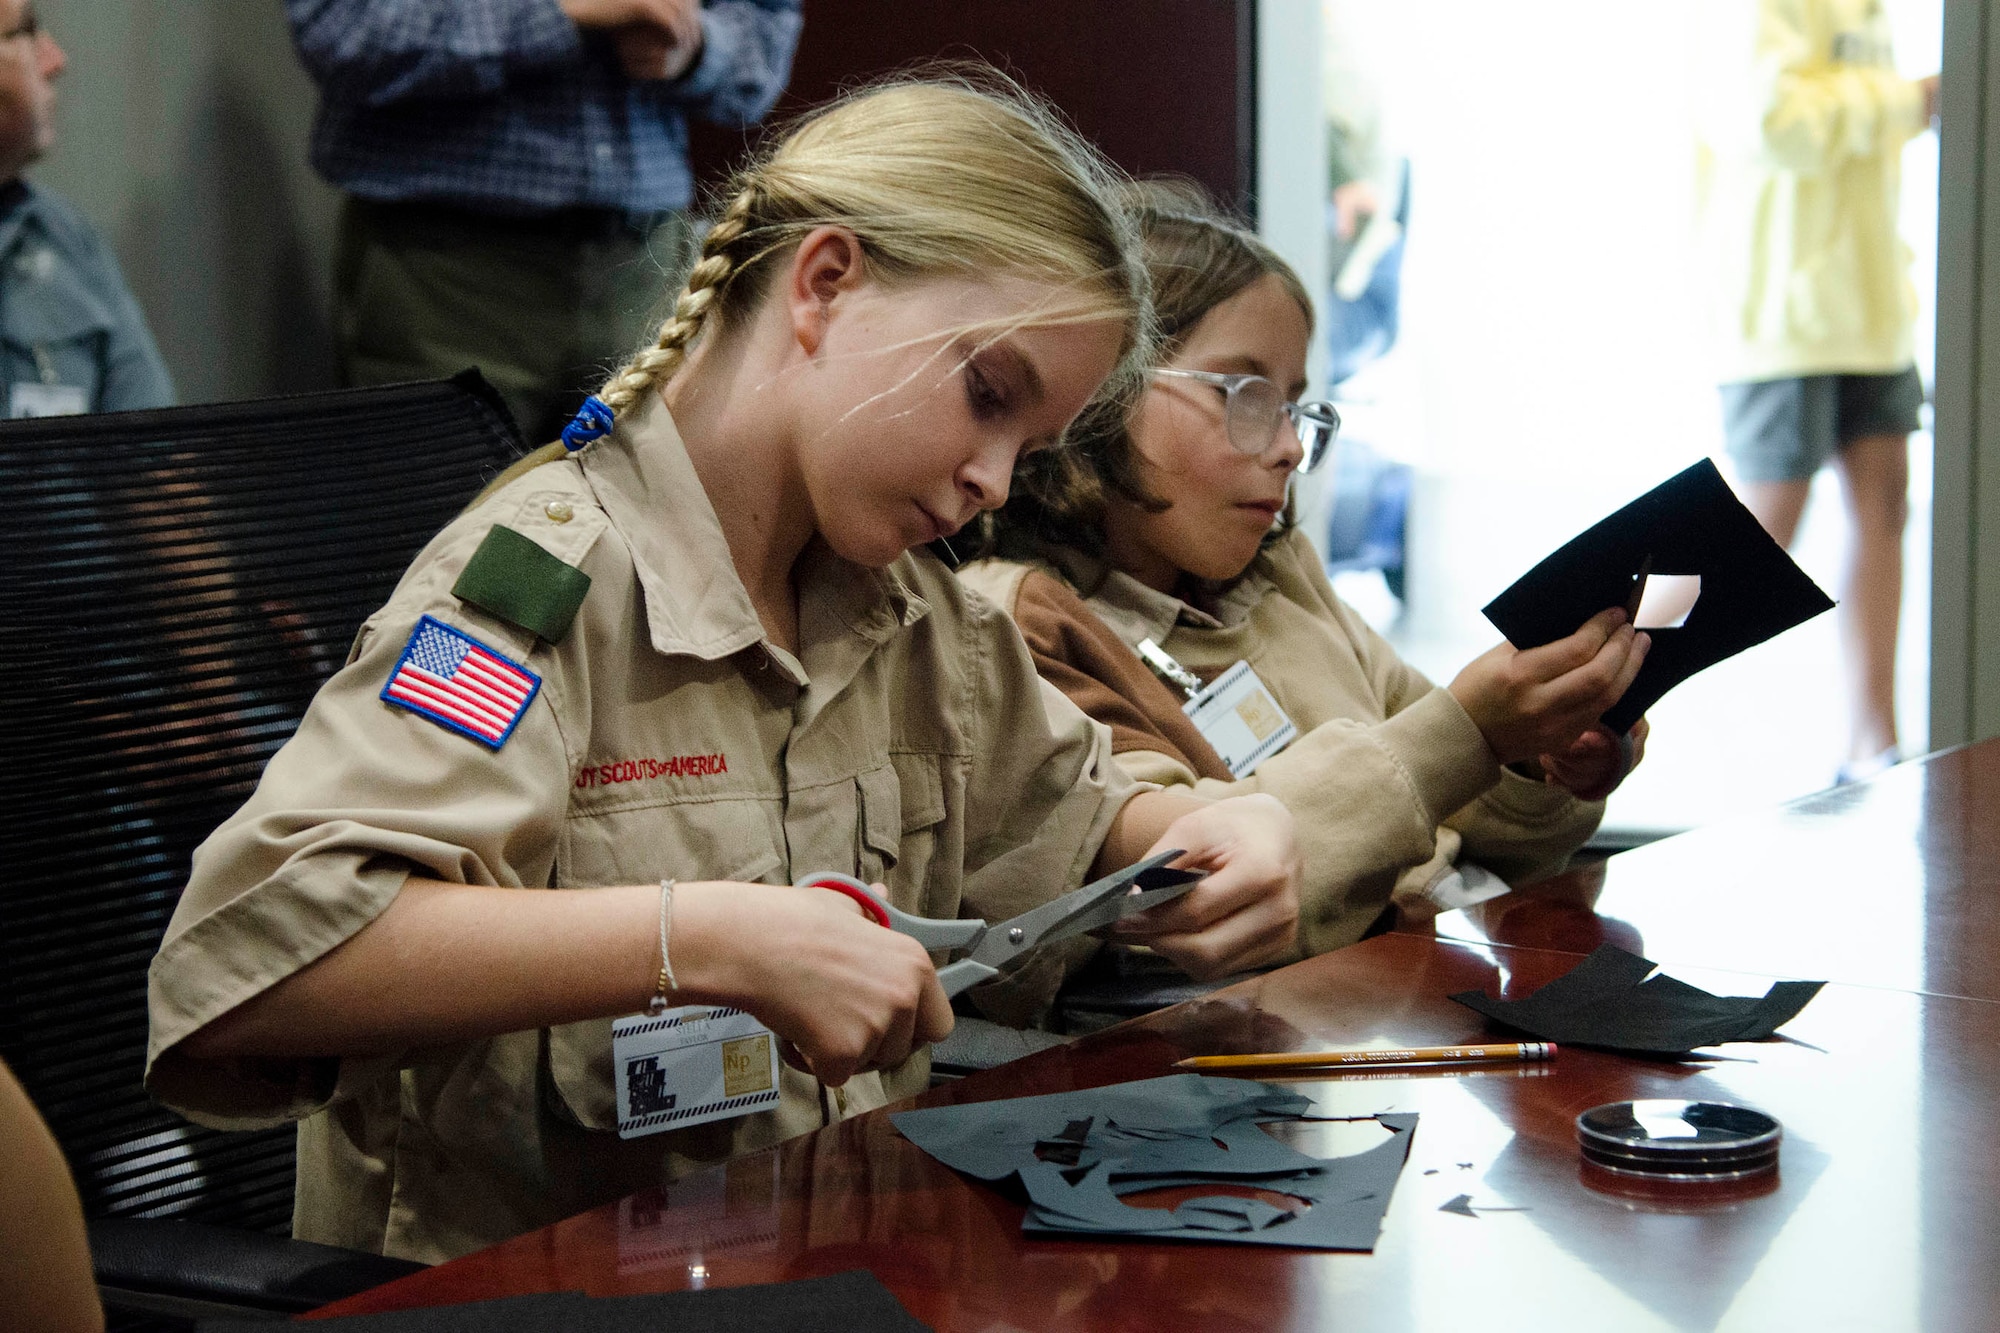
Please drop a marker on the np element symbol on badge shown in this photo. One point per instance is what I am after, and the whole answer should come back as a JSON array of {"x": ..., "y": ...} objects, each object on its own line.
[
  {"x": 746, "y": 1065},
  {"x": 1258, "y": 713}
]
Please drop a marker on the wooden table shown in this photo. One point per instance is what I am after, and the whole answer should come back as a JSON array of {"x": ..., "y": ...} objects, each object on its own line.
[
  {"x": 1892, "y": 883},
  {"x": 1882, "y": 1217}
]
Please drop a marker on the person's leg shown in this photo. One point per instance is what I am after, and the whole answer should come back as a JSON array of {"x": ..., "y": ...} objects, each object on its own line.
[
  {"x": 1875, "y": 481},
  {"x": 1780, "y": 433},
  {"x": 424, "y": 294},
  {"x": 1877, "y": 414},
  {"x": 1778, "y": 505}
]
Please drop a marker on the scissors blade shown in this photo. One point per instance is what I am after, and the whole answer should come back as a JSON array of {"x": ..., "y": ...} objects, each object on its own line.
[
  {"x": 1155, "y": 887},
  {"x": 1095, "y": 904}
]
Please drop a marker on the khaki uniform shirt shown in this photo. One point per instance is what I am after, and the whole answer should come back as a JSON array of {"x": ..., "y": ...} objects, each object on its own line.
[
  {"x": 909, "y": 742},
  {"x": 1390, "y": 781}
]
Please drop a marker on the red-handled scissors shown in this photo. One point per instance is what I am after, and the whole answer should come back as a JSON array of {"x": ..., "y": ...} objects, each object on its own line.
[{"x": 1134, "y": 889}]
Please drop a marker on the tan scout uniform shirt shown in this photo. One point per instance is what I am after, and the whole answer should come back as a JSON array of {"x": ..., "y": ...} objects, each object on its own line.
[
  {"x": 909, "y": 743},
  {"x": 1389, "y": 780}
]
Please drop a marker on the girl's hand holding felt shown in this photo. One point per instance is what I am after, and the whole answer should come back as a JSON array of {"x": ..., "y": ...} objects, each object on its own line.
[
  {"x": 1528, "y": 704},
  {"x": 1596, "y": 762},
  {"x": 1246, "y": 913}
]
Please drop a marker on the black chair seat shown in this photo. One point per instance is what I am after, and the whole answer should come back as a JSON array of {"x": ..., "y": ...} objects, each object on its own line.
[
  {"x": 180, "y": 582},
  {"x": 177, "y": 1267}
]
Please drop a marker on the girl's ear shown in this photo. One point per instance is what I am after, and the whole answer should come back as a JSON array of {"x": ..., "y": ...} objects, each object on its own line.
[{"x": 827, "y": 264}]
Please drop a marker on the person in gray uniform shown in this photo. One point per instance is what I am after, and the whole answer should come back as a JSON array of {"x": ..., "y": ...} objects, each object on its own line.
[{"x": 72, "y": 339}]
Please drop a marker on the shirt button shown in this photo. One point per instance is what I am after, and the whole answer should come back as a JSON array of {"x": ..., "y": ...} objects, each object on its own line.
[{"x": 559, "y": 511}]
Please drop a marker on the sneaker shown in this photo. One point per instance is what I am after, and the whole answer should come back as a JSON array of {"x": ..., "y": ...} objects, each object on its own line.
[{"x": 1860, "y": 770}]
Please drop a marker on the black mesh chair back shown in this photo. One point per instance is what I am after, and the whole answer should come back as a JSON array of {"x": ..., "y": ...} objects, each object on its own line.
[{"x": 174, "y": 586}]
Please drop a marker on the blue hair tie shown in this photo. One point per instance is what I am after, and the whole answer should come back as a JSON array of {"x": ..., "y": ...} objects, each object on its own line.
[{"x": 592, "y": 420}]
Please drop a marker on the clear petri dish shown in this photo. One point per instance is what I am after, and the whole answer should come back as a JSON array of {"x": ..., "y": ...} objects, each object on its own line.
[{"x": 1677, "y": 1140}]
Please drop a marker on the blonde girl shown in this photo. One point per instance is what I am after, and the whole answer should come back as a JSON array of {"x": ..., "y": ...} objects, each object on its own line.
[
  {"x": 1173, "y": 526},
  {"x": 668, "y": 670}
]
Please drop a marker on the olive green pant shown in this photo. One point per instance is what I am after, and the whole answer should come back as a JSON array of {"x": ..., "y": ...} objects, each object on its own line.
[{"x": 544, "y": 307}]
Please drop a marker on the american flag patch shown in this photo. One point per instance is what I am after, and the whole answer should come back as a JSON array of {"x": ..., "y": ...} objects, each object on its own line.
[{"x": 459, "y": 683}]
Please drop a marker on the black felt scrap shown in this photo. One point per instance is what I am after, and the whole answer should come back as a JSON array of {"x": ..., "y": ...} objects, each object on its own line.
[
  {"x": 1076, "y": 1154},
  {"x": 1689, "y": 524},
  {"x": 854, "y": 1301},
  {"x": 1608, "y": 1001}
]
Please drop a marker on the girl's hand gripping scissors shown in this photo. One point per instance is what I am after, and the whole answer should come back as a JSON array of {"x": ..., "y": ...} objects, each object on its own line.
[{"x": 1134, "y": 889}]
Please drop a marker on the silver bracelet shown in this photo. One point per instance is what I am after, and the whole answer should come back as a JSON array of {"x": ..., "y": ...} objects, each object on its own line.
[{"x": 666, "y": 984}]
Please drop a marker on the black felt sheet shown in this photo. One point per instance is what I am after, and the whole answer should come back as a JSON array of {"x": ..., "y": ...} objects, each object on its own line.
[
  {"x": 1076, "y": 1154},
  {"x": 854, "y": 1301},
  {"x": 1691, "y": 523},
  {"x": 1608, "y": 1001}
]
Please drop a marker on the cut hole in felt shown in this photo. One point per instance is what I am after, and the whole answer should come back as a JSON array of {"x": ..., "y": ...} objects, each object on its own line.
[
  {"x": 1169, "y": 1197},
  {"x": 1669, "y": 600}
]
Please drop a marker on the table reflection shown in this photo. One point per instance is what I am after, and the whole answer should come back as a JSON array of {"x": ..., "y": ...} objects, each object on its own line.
[
  {"x": 1879, "y": 1215},
  {"x": 1893, "y": 882}
]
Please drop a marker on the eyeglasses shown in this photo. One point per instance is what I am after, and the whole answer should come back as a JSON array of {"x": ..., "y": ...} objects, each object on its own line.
[{"x": 1254, "y": 408}]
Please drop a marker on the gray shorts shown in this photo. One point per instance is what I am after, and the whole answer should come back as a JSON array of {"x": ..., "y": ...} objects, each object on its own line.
[{"x": 1786, "y": 430}]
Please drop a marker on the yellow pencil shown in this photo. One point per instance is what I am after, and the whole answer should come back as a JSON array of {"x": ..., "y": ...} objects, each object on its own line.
[{"x": 1408, "y": 1055}]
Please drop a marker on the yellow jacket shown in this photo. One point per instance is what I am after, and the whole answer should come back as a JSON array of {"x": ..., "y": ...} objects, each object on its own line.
[{"x": 1801, "y": 120}]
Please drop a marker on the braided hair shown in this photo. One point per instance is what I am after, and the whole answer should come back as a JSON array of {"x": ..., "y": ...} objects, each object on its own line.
[{"x": 707, "y": 284}]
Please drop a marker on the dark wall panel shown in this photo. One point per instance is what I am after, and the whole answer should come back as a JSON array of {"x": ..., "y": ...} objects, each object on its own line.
[{"x": 1159, "y": 85}]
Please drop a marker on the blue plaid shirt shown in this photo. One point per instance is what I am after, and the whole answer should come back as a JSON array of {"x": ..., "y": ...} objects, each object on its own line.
[{"x": 507, "y": 107}]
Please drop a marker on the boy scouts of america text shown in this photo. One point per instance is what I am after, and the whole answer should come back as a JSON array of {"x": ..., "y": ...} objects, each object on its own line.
[{"x": 638, "y": 770}]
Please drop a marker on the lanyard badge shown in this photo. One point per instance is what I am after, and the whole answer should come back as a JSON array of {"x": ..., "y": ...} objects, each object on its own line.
[
  {"x": 689, "y": 1066},
  {"x": 1236, "y": 714}
]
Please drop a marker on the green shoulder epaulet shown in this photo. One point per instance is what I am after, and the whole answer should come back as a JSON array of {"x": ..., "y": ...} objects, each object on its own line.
[{"x": 511, "y": 576}]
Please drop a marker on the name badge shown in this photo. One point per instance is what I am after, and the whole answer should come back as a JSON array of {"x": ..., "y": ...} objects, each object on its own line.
[
  {"x": 689, "y": 1066},
  {"x": 1238, "y": 716},
  {"x": 30, "y": 399}
]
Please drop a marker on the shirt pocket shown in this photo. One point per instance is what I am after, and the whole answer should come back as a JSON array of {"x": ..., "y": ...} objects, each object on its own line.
[
  {"x": 727, "y": 839},
  {"x": 615, "y": 839},
  {"x": 902, "y": 809}
]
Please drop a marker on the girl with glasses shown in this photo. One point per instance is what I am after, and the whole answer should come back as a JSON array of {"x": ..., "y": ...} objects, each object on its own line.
[{"x": 1167, "y": 532}]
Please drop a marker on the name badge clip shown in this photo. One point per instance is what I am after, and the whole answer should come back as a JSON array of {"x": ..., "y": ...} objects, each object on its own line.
[{"x": 1236, "y": 713}]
